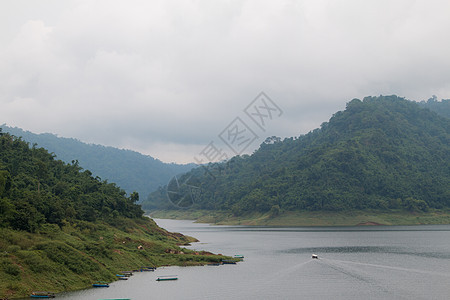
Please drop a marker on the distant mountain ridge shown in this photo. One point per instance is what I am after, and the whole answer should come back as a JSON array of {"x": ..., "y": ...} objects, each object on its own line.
[
  {"x": 130, "y": 170},
  {"x": 380, "y": 153}
]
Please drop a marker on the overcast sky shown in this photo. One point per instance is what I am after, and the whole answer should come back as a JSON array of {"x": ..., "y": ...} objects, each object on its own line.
[{"x": 165, "y": 78}]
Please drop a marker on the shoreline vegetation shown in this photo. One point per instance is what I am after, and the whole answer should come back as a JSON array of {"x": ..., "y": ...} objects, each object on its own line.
[
  {"x": 76, "y": 255},
  {"x": 310, "y": 218}
]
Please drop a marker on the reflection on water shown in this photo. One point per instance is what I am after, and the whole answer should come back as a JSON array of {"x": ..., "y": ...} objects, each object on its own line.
[
  {"x": 400, "y": 262},
  {"x": 368, "y": 249}
]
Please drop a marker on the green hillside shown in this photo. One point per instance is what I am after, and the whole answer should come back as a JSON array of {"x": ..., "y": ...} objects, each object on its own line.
[
  {"x": 61, "y": 228},
  {"x": 380, "y": 153},
  {"x": 130, "y": 170}
]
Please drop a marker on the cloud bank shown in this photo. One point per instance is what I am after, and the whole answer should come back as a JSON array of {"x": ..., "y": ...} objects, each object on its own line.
[{"x": 166, "y": 77}]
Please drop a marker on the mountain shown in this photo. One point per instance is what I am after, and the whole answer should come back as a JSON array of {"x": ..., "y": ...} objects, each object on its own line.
[
  {"x": 62, "y": 229},
  {"x": 380, "y": 153},
  {"x": 130, "y": 170}
]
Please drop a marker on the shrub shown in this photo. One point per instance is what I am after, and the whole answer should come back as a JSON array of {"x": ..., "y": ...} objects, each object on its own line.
[
  {"x": 9, "y": 268},
  {"x": 67, "y": 256},
  {"x": 34, "y": 261}
]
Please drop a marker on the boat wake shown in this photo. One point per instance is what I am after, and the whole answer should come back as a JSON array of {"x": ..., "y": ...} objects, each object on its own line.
[
  {"x": 389, "y": 267},
  {"x": 358, "y": 274},
  {"x": 286, "y": 272}
]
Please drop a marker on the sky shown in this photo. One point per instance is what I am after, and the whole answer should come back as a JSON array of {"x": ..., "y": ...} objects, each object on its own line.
[{"x": 182, "y": 80}]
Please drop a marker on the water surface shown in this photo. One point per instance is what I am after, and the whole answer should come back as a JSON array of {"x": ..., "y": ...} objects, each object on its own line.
[{"x": 376, "y": 262}]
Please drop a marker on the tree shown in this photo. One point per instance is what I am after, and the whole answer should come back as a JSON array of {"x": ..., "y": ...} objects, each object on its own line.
[{"x": 134, "y": 197}]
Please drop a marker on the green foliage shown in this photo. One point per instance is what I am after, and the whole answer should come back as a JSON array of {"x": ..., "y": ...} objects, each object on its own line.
[
  {"x": 63, "y": 254},
  {"x": 9, "y": 268},
  {"x": 440, "y": 107},
  {"x": 274, "y": 211},
  {"x": 415, "y": 205},
  {"x": 380, "y": 153}
]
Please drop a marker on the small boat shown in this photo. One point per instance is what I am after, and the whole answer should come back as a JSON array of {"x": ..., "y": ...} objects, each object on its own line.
[
  {"x": 240, "y": 257},
  {"x": 42, "y": 295},
  {"x": 228, "y": 262},
  {"x": 127, "y": 273},
  {"x": 213, "y": 264},
  {"x": 167, "y": 277},
  {"x": 122, "y": 278},
  {"x": 100, "y": 284},
  {"x": 314, "y": 256}
]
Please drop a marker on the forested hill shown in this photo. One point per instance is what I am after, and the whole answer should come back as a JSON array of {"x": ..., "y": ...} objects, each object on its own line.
[
  {"x": 130, "y": 170},
  {"x": 36, "y": 189},
  {"x": 383, "y": 152}
]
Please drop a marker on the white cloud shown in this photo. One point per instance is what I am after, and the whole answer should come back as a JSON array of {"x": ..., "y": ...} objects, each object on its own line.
[{"x": 166, "y": 77}]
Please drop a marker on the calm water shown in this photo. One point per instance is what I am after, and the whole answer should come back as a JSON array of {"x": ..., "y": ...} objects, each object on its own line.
[{"x": 401, "y": 262}]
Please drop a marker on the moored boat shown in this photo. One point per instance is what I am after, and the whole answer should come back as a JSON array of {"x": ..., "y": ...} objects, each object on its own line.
[
  {"x": 167, "y": 277},
  {"x": 100, "y": 284},
  {"x": 42, "y": 295},
  {"x": 315, "y": 256},
  {"x": 228, "y": 262}
]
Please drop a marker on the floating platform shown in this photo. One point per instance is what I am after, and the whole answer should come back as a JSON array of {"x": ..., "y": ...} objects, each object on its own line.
[
  {"x": 228, "y": 262},
  {"x": 42, "y": 295},
  {"x": 167, "y": 278},
  {"x": 99, "y": 284}
]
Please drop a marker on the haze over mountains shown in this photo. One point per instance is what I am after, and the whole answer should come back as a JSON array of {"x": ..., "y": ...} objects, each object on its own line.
[
  {"x": 129, "y": 169},
  {"x": 380, "y": 153}
]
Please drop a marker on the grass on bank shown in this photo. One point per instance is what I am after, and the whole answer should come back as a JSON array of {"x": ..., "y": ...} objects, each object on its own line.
[
  {"x": 72, "y": 257},
  {"x": 310, "y": 218}
]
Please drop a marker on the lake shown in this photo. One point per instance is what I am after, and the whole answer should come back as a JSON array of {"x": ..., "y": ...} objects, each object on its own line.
[{"x": 365, "y": 262}]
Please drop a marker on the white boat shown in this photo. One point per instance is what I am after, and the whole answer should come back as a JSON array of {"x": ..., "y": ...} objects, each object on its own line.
[{"x": 314, "y": 256}]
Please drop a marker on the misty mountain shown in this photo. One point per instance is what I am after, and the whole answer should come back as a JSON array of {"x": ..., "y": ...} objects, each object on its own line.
[
  {"x": 380, "y": 153},
  {"x": 130, "y": 170}
]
